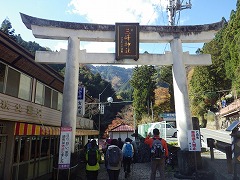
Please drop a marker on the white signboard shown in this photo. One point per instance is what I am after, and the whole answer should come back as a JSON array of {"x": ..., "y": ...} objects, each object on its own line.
[
  {"x": 168, "y": 116},
  {"x": 194, "y": 140},
  {"x": 101, "y": 106},
  {"x": 65, "y": 148},
  {"x": 81, "y": 101}
]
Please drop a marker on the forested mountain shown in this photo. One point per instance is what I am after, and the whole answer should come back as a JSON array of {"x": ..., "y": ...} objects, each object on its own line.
[
  {"x": 211, "y": 84},
  {"x": 119, "y": 78}
]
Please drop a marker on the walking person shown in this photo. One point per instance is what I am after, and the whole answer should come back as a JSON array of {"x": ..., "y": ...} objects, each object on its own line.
[
  {"x": 120, "y": 143},
  {"x": 159, "y": 152},
  {"x": 93, "y": 159},
  {"x": 128, "y": 152},
  {"x": 113, "y": 160}
]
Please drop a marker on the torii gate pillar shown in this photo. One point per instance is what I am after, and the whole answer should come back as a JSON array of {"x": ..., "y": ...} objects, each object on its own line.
[
  {"x": 70, "y": 89},
  {"x": 182, "y": 108}
]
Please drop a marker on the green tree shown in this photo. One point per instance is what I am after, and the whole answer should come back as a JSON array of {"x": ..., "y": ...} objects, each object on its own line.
[
  {"x": 143, "y": 82},
  {"x": 6, "y": 27},
  {"x": 165, "y": 79},
  {"x": 231, "y": 49},
  {"x": 208, "y": 82}
]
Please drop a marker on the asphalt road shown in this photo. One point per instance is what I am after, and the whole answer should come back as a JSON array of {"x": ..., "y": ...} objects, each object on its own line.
[{"x": 220, "y": 135}]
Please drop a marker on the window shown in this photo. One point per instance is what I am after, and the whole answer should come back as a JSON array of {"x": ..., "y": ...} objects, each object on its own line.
[
  {"x": 45, "y": 149},
  {"x": 18, "y": 85},
  {"x": 55, "y": 99},
  {"x": 24, "y": 149},
  {"x": 60, "y": 99},
  {"x": 25, "y": 87},
  {"x": 13, "y": 81},
  {"x": 39, "y": 98},
  {"x": 2, "y": 76},
  {"x": 35, "y": 148},
  {"x": 54, "y": 145},
  {"x": 48, "y": 97}
]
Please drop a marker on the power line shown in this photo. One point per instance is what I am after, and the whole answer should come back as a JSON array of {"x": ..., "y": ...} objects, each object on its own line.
[
  {"x": 121, "y": 86},
  {"x": 162, "y": 13}
]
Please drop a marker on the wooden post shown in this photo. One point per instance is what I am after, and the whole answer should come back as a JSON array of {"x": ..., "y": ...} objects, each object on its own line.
[
  {"x": 228, "y": 150},
  {"x": 210, "y": 143}
]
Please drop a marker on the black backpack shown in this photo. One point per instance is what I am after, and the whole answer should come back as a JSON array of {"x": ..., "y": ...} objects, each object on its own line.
[
  {"x": 157, "y": 150},
  {"x": 92, "y": 157},
  {"x": 114, "y": 156}
]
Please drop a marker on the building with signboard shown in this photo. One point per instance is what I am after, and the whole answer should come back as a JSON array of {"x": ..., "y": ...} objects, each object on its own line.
[
  {"x": 168, "y": 117},
  {"x": 30, "y": 114}
]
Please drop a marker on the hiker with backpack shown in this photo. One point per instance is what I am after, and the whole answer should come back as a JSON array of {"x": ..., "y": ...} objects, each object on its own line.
[
  {"x": 128, "y": 152},
  {"x": 93, "y": 159},
  {"x": 159, "y": 153},
  {"x": 113, "y": 160}
]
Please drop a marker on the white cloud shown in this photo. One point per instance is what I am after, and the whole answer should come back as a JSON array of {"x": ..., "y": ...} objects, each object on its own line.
[
  {"x": 60, "y": 45},
  {"x": 112, "y": 11},
  {"x": 91, "y": 47},
  {"x": 99, "y": 47}
]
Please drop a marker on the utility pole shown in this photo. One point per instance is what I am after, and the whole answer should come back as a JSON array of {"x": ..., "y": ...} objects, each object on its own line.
[{"x": 174, "y": 7}]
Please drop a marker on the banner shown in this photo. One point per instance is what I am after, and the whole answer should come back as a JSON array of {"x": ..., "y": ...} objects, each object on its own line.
[
  {"x": 65, "y": 148},
  {"x": 81, "y": 101},
  {"x": 194, "y": 140}
]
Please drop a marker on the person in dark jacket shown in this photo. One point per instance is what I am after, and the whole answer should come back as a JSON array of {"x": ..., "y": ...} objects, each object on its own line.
[
  {"x": 113, "y": 171},
  {"x": 127, "y": 156},
  {"x": 120, "y": 143}
]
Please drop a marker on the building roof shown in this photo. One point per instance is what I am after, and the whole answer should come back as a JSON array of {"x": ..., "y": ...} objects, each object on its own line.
[
  {"x": 29, "y": 21},
  {"x": 20, "y": 58},
  {"x": 122, "y": 128}
]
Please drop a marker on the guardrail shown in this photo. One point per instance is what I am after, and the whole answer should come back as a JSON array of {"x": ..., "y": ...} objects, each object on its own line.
[{"x": 224, "y": 147}]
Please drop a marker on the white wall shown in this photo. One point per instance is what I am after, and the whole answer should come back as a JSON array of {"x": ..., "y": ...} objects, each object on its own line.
[{"x": 122, "y": 135}]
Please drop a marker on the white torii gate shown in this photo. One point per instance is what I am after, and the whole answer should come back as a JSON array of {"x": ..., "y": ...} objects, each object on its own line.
[{"x": 76, "y": 32}]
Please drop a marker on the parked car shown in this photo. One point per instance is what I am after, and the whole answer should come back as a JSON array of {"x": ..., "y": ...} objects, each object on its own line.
[{"x": 170, "y": 129}]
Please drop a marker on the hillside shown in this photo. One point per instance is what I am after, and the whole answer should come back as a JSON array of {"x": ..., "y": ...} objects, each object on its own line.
[{"x": 119, "y": 77}]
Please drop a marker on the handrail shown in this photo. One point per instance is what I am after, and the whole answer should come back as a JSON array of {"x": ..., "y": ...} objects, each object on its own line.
[{"x": 224, "y": 147}]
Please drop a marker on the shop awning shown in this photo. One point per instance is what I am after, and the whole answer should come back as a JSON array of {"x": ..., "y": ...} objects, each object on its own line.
[
  {"x": 33, "y": 129},
  {"x": 26, "y": 129}
]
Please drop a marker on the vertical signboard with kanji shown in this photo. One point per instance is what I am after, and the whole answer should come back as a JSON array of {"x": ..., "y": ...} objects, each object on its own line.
[
  {"x": 127, "y": 41},
  {"x": 101, "y": 108},
  {"x": 194, "y": 140},
  {"x": 65, "y": 148},
  {"x": 81, "y": 101}
]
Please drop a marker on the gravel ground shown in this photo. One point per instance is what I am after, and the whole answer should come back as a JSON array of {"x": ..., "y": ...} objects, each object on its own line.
[
  {"x": 140, "y": 171},
  {"x": 212, "y": 170}
]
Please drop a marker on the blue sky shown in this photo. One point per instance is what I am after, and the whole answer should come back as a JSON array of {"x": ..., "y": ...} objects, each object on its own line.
[{"x": 146, "y": 12}]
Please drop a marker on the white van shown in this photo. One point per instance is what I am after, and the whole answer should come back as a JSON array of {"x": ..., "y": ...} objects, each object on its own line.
[{"x": 164, "y": 128}]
